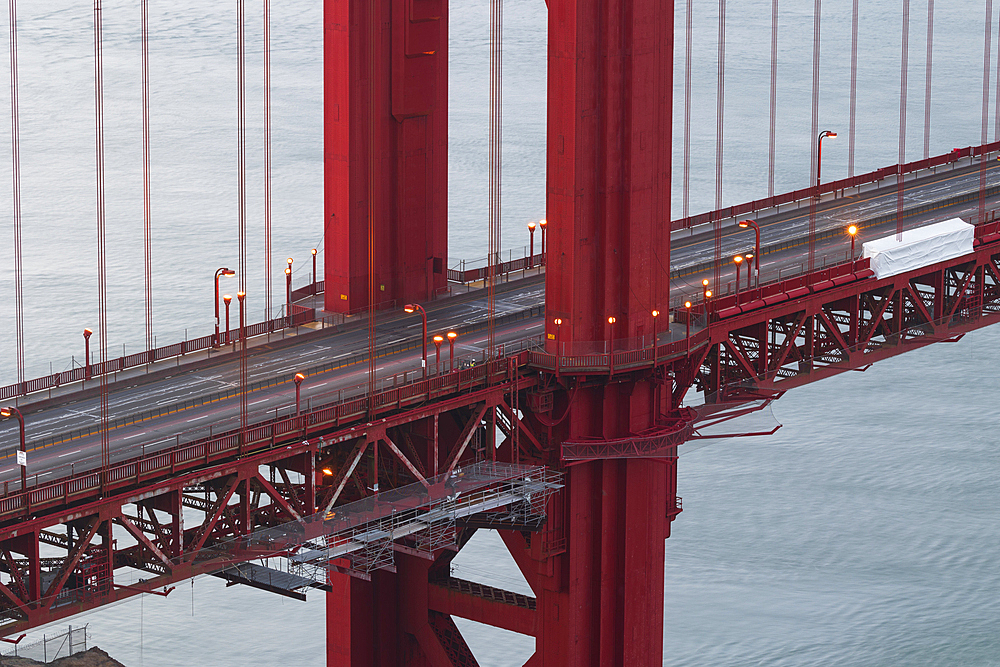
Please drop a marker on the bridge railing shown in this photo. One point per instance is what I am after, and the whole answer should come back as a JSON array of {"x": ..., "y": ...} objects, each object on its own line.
[
  {"x": 261, "y": 436},
  {"x": 463, "y": 273},
  {"x": 750, "y": 208},
  {"x": 300, "y": 315}
]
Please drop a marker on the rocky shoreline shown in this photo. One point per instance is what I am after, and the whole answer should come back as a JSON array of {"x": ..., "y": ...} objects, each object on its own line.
[{"x": 93, "y": 657}]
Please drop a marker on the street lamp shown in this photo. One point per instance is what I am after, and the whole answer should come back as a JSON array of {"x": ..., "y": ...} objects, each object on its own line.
[
  {"x": 221, "y": 272},
  {"x": 611, "y": 332},
  {"x": 738, "y": 260},
  {"x": 853, "y": 231},
  {"x": 743, "y": 224},
  {"x": 655, "y": 313},
  {"x": 87, "y": 333},
  {"x": 299, "y": 377},
  {"x": 241, "y": 297},
  {"x": 315, "y": 288},
  {"x": 437, "y": 344},
  {"x": 452, "y": 335},
  {"x": 687, "y": 328},
  {"x": 543, "y": 223},
  {"x": 558, "y": 322},
  {"x": 819, "y": 155},
  {"x": 531, "y": 243},
  {"x": 412, "y": 308},
  {"x": 22, "y": 455},
  {"x": 288, "y": 293},
  {"x": 708, "y": 297},
  {"x": 749, "y": 258},
  {"x": 227, "y": 299}
]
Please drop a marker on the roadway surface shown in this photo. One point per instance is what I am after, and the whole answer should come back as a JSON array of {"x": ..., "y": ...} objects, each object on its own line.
[{"x": 56, "y": 446}]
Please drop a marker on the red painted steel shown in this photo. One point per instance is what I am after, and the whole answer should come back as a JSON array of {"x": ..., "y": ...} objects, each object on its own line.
[{"x": 409, "y": 145}]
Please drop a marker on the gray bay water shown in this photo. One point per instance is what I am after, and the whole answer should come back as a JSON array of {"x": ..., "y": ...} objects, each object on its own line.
[{"x": 864, "y": 532}]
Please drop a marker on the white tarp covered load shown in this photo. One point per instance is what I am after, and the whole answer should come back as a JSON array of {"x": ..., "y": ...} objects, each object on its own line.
[{"x": 920, "y": 247}]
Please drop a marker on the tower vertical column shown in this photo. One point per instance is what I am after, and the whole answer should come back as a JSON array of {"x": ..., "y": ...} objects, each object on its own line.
[
  {"x": 608, "y": 207},
  {"x": 397, "y": 120}
]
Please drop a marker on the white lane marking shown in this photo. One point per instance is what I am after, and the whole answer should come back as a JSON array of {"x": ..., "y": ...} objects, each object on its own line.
[
  {"x": 43, "y": 474},
  {"x": 263, "y": 400},
  {"x": 197, "y": 418},
  {"x": 69, "y": 453},
  {"x": 129, "y": 437},
  {"x": 3, "y": 472}
]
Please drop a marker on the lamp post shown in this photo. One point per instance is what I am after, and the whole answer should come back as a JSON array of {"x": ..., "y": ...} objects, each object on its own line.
[
  {"x": 749, "y": 259},
  {"x": 531, "y": 244},
  {"x": 241, "y": 297},
  {"x": 22, "y": 458},
  {"x": 543, "y": 223},
  {"x": 611, "y": 332},
  {"x": 227, "y": 299},
  {"x": 437, "y": 344},
  {"x": 853, "y": 231},
  {"x": 315, "y": 288},
  {"x": 412, "y": 308},
  {"x": 220, "y": 272},
  {"x": 704, "y": 296},
  {"x": 288, "y": 293},
  {"x": 743, "y": 224},
  {"x": 708, "y": 297},
  {"x": 655, "y": 313},
  {"x": 452, "y": 335},
  {"x": 819, "y": 154},
  {"x": 299, "y": 377},
  {"x": 87, "y": 333},
  {"x": 687, "y": 322},
  {"x": 738, "y": 260}
]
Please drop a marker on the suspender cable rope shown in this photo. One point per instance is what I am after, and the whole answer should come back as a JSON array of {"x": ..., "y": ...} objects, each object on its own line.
[
  {"x": 928, "y": 66},
  {"x": 373, "y": 22},
  {"x": 147, "y": 214},
  {"x": 720, "y": 116},
  {"x": 853, "y": 131},
  {"x": 903, "y": 72},
  {"x": 817, "y": 16},
  {"x": 242, "y": 208},
  {"x": 686, "y": 195},
  {"x": 774, "y": 99},
  {"x": 102, "y": 283},
  {"x": 267, "y": 159},
  {"x": 495, "y": 165},
  {"x": 15, "y": 145},
  {"x": 987, "y": 52}
]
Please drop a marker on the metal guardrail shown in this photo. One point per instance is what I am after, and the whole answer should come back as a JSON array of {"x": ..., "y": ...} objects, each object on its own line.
[
  {"x": 752, "y": 207},
  {"x": 361, "y": 357}
]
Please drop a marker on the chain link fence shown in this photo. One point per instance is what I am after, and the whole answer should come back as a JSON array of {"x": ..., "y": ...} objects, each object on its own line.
[{"x": 50, "y": 647}]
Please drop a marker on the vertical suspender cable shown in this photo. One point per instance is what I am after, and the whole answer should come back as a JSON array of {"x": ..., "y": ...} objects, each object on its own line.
[
  {"x": 774, "y": 98},
  {"x": 928, "y": 68},
  {"x": 242, "y": 206},
  {"x": 15, "y": 145},
  {"x": 720, "y": 117},
  {"x": 147, "y": 211},
  {"x": 686, "y": 196},
  {"x": 374, "y": 52},
  {"x": 904, "y": 67},
  {"x": 496, "y": 162},
  {"x": 987, "y": 52},
  {"x": 267, "y": 159},
  {"x": 854, "y": 91},
  {"x": 102, "y": 283},
  {"x": 813, "y": 137},
  {"x": 996, "y": 95}
]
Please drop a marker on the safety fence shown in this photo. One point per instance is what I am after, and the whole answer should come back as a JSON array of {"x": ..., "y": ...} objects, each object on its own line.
[
  {"x": 463, "y": 274},
  {"x": 752, "y": 207},
  {"x": 50, "y": 647}
]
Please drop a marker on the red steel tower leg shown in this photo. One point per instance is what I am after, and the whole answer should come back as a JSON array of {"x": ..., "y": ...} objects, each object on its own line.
[
  {"x": 608, "y": 204},
  {"x": 409, "y": 147}
]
